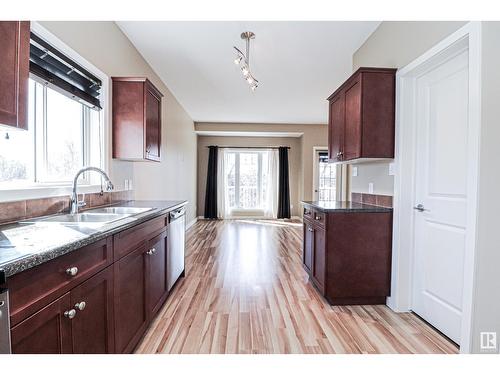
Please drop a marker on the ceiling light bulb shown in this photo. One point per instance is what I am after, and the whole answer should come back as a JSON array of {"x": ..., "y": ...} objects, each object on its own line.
[
  {"x": 237, "y": 60},
  {"x": 253, "y": 87},
  {"x": 250, "y": 80},
  {"x": 245, "y": 71}
]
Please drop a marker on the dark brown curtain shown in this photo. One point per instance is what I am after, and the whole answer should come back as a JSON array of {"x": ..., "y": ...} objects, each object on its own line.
[
  {"x": 211, "y": 192},
  {"x": 283, "y": 185}
]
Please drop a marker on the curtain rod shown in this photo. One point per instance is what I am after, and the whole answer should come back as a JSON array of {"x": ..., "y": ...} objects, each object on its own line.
[{"x": 252, "y": 147}]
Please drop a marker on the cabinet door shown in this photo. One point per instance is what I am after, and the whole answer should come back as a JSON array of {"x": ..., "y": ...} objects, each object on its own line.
[
  {"x": 153, "y": 124},
  {"x": 93, "y": 303},
  {"x": 130, "y": 307},
  {"x": 157, "y": 287},
  {"x": 318, "y": 271},
  {"x": 307, "y": 255},
  {"x": 14, "y": 73},
  {"x": 47, "y": 331},
  {"x": 336, "y": 127},
  {"x": 352, "y": 133}
]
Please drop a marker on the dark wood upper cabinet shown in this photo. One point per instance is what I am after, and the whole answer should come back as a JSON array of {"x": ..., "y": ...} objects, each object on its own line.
[
  {"x": 136, "y": 119},
  {"x": 362, "y": 116},
  {"x": 14, "y": 73}
]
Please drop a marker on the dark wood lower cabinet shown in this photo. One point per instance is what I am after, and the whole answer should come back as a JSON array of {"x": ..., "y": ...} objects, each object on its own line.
[
  {"x": 97, "y": 309},
  {"x": 131, "y": 312},
  {"x": 319, "y": 259},
  {"x": 348, "y": 255},
  {"x": 46, "y": 332},
  {"x": 92, "y": 328},
  {"x": 157, "y": 286},
  {"x": 307, "y": 256}
]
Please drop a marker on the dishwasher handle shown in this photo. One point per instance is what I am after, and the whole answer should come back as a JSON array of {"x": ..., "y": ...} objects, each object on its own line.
[{"x": 177, "y": 213}]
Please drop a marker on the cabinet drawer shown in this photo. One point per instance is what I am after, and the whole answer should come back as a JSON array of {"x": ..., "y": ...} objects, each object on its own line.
[
  {"x": 319, "y": 218},
  {"x": 308, "y": 212},
  {"x": 126, "y": 241},
  {"x": 37, "y": 287}
]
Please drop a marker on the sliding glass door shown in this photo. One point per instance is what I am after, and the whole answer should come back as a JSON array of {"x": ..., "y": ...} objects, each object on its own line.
[{"x": 247, "y": 179}]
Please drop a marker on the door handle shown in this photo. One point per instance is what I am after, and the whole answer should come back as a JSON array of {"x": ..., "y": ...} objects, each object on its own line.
[{"x": 420, "y": 208}]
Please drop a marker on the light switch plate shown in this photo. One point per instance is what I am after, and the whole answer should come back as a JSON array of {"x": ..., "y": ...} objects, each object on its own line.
[
  {"x": 370, "y": 188},
  {"x": 392, "y": 169},
  {"x": 354, "y": 171}
]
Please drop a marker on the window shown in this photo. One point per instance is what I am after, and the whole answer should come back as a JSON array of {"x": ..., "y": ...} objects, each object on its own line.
[
  {"x": 247, "y": 180},
  {"x": 327, "y": 178},
  {"x": 63, "y": 135}
]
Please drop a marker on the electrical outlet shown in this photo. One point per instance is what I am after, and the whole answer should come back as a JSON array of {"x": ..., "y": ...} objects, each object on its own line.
[
  {"x": 370, "y": 188},
  {"x": 354, "y": 171}
]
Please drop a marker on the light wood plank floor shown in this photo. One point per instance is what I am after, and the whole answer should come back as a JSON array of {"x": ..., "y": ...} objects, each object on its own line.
[{"x": 246, "y": 292}]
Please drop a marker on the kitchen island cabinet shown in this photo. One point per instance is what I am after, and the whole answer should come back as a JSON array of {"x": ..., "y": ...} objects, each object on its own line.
[{"x": 347, "y": 251}]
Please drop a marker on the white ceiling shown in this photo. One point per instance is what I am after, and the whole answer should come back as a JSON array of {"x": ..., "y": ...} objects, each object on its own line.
[{"x": 298, "y": 65}]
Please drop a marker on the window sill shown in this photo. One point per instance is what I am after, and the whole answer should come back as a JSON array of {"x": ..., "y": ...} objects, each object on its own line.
[{"x": 44, "y": 191}]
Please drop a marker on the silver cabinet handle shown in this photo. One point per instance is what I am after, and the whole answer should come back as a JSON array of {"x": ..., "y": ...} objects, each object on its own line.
[
  {"x": 151, "y": 251},
  {"x": 72, "y": 271},
  {"x": 420, "y": 208},
  {"x": 318, "y": 217},
  {"x": 70, "y": 314},
  {"x": 80, "y": 305},
  {"x": 310, "y": 229}
]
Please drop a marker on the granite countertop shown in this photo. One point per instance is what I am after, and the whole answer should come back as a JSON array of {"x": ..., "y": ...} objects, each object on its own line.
[
  {"x": 345, "y": 206},
  {"x": 23, "y": 246}
]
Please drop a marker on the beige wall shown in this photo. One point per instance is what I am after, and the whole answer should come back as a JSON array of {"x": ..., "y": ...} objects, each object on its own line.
[
  {"x": 394, "y": 45},
  {"x": 312, "y": 135},
  {"x": 294, "y": 160},
  {"x": 106, "y": 47}
]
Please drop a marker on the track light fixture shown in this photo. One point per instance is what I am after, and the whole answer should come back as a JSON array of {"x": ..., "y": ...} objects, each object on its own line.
[{"x": 243, "y": 61}]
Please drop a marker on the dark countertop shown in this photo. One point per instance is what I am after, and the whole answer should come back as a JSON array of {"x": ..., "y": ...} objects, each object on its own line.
[
  {"x": 345, "y": 206},
  {"x": 23, "y": 246}
]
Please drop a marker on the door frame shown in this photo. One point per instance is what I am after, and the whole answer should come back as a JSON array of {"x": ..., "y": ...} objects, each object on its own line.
[
  {"x": 341, "y": 176},
  {"x": 468, "y": 36}
]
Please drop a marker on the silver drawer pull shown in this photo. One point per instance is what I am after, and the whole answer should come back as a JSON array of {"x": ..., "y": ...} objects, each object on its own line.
[
  {"x": 80, "y": 305},
  {"x": 151, "y": 251},
  {"x": 310, "y": 229},
  {"x": 318, "y": 217},
  {"x": 70, "y": 314},
  {"x": 72, "y": 271}
]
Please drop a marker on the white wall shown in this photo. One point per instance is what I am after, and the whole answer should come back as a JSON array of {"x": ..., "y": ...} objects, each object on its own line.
[
  {"x": 486, "y": 305},
  {"x": 106, "y": 47}
]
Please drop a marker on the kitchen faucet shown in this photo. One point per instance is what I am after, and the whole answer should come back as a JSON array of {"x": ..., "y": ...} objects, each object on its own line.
[{"x": 75, "y": 203}]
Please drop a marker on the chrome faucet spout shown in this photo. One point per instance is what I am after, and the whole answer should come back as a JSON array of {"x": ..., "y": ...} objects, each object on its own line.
[{"x": 75, "y": 204}]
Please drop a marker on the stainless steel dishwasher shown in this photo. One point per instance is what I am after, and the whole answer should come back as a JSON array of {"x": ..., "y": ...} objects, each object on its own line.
[
  {"x": 4, "y": 317},
  {"x": 176, "y": 243}
]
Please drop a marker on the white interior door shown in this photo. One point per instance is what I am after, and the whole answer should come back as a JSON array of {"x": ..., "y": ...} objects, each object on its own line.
[{"x": 441, "y": 190}]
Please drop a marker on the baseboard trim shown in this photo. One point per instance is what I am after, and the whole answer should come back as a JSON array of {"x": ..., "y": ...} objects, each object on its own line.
[{"x": 191, "y": 223}]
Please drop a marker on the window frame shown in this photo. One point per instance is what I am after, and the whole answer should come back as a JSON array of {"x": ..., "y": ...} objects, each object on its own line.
[{"x": 89, "y": 183}]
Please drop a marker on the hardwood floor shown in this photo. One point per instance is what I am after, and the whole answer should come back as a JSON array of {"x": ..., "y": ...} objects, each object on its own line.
[{"x": 246, "y": 292}]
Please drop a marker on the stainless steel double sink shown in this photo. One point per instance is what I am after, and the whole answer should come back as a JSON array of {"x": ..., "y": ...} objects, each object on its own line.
[{"x": 95, "y": 217}]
